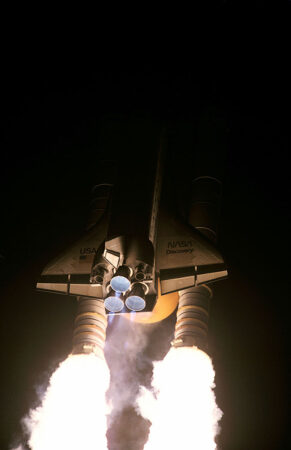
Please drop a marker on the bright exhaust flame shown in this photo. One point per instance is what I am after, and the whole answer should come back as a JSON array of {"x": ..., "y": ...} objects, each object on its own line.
[
  {"x": 72, "y": 415},
  {"x": 184, "y": 413}
]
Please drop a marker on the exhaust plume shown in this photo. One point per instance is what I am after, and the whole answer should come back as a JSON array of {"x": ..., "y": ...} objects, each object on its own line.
[
  {"x": 72, "y": 414},
  {"x": 182, "y": 409},
  {"x": 124, "y": 348},
  {"x": 129, "y": 368}
]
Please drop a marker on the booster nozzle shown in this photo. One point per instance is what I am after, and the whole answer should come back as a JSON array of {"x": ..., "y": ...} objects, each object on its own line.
[
  {"x": 90, "y": 327},
  {"x": 192, "y": 318}
]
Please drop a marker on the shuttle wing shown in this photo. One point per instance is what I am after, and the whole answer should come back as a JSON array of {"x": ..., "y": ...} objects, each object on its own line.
[
  {"x": 185, "y": 257},
  {"x": 70, "y": 272}
]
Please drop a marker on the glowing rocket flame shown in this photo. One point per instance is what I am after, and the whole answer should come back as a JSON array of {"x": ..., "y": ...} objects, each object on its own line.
[
  {"x": 184, "y": 413},
  {"x": 73, "y": 411}
]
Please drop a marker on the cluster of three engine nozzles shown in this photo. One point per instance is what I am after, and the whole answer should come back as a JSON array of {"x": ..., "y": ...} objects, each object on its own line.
[{"x": 121, "y": 291}]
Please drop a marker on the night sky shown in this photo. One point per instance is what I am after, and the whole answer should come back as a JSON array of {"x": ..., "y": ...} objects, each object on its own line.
[{"x": 50, "y": 120}]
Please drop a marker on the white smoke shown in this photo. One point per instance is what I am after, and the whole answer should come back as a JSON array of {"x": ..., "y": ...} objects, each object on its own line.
[
  {"x": 182, "y": 409},
  {"x": 74, "y": 411},
  {"x": 72, "y": 414},
  {"x": 124, "y": 351}
]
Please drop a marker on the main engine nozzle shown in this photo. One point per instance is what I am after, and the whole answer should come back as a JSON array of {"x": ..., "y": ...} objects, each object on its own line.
[
  {"x": 192, "y": 318},
  {"x": 114, "y": 301},
  {"x": 120, "y": 282},
  {"x": 136, "y": 298}
]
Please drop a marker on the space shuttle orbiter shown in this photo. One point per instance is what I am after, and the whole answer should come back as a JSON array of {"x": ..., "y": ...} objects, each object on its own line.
[{"x": 146, "y": 239}]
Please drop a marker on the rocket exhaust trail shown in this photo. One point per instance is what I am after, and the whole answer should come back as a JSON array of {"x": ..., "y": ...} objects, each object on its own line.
[
  {"x": 72, "y": 414},
  {"x": 183, "y": 412},
  {"x": 73, "y": 410}
]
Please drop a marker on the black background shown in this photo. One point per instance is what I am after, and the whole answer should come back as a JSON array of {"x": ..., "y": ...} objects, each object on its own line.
[{"x": 49, "y": 128}]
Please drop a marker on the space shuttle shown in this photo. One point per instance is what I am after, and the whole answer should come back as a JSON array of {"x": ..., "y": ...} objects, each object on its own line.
[{"x": 150, "y": 246}]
